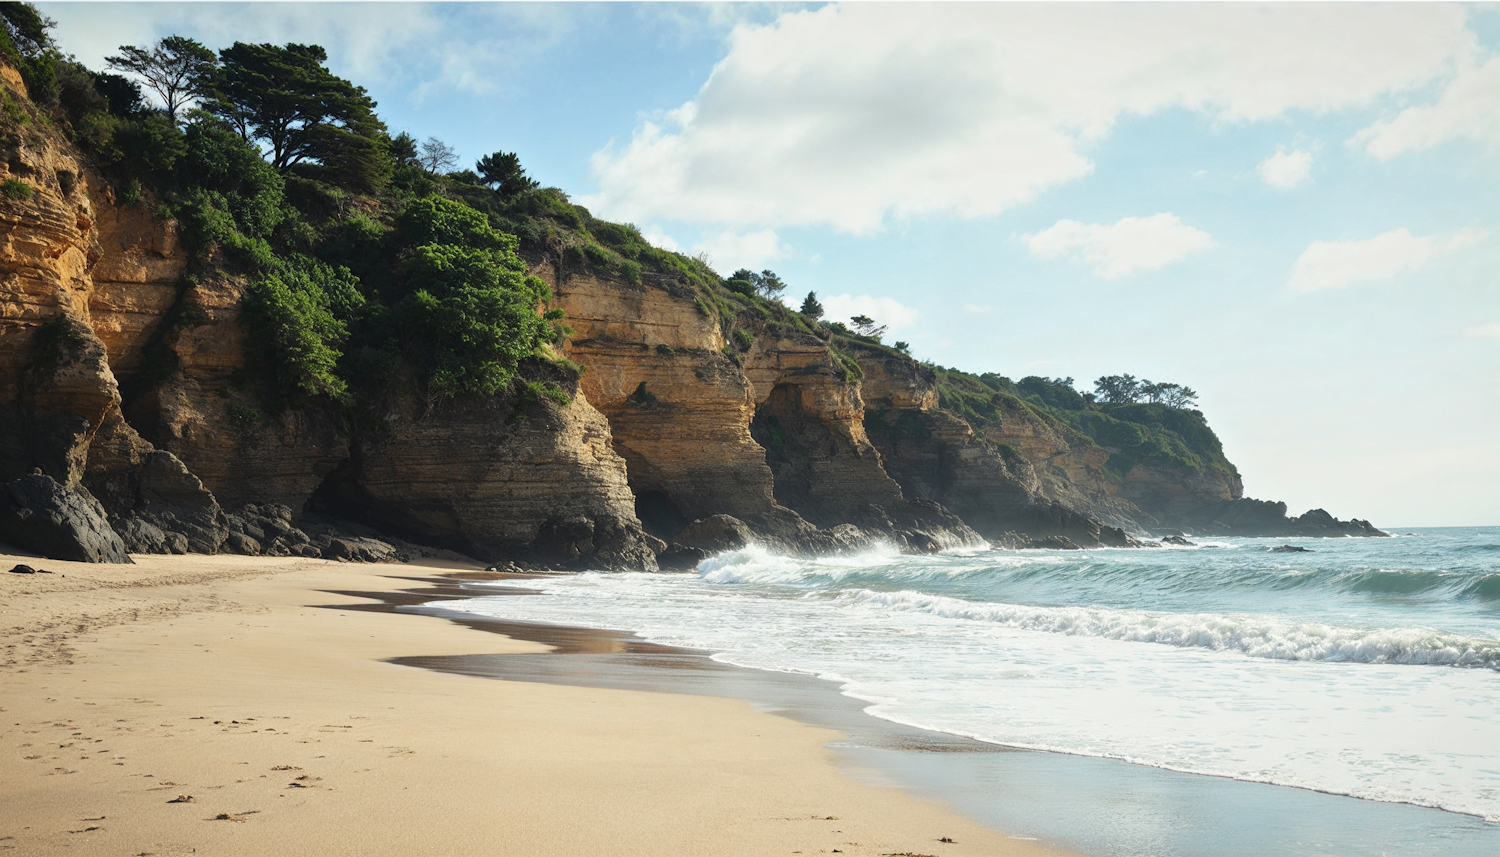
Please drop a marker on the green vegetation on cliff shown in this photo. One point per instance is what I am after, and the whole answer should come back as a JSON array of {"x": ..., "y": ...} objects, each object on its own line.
[
  {"x": 364, "y": 267},
  {"x": 369, "y": 262},
  {"x": 1149, "y": 433}
]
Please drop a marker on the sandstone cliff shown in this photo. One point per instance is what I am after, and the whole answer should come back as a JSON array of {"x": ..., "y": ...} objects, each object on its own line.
[
  {"x": 94, "y": 287},
  {"x": 771, "y": 435},
  {"x": 130, "y": 378}
]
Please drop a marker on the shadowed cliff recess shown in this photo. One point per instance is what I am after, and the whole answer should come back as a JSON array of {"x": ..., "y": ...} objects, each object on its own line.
[{"x": 258, "y": 321}]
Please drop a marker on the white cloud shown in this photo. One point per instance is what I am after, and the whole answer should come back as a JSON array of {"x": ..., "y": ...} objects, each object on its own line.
[
  {"x": 1287, "y": 168},
  {"x": 850, "y": 114},
  {"x": 887, "y": 311},
  {"x": 1485, "y": 331},
  {"x": 430, "y": 46},
  {"x": 659, "y": 239},
  {"x": 1335, "y": 264},
  {"x": 976, "y": 309},
  {"x": 728, "y": 251},
  {"x": 1125, "y": 247},
  {"x": 1466, "y": 110}
]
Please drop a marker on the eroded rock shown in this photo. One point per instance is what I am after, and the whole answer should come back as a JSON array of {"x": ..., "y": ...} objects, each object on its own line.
[{"x": 41, "y": 515}]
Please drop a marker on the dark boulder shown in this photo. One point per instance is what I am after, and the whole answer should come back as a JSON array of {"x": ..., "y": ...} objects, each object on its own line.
[
  {"x": 1289, "y": 549},
  {"x": 174, "y": 500},
  {"x": 266, "y": 529},
  {"x": 1177, "y": 540},
  {"x": 714, "y": 534},
  {"x": 361, "y": 549},
  {"x": 39, "y": 515}
]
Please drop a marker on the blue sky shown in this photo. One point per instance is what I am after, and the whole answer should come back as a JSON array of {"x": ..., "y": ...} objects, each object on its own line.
[{"x": 1291, "y": 209}]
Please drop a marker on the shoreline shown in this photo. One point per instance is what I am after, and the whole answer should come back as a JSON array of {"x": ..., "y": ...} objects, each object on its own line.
[
  {"x": 226, "y": 679},
  {"x": 975, "y": 776}
]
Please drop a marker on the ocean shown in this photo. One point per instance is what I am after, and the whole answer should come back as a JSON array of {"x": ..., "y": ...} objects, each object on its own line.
[{"x": 1363, "y": 667}]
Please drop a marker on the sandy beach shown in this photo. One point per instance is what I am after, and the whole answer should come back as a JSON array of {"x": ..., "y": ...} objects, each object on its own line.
[{"x": 208, "y": 705}]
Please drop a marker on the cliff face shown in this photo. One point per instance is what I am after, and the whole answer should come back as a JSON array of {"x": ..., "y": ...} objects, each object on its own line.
[
  {"x": 496, "y": 476},
  {"x": 777, "y": 442},
  {"x": 679, "y": 411},
  {"x": 937, "y": 456},
  {"x": 810, "y": 419},
  {"x": 202, "y": 411},
  {"x": 93, "y": 288},
  {"x": 126, "y": 377}
]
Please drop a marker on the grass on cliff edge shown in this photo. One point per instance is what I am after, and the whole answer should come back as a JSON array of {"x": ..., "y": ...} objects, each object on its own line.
[{"x": 1156, "y": 435}]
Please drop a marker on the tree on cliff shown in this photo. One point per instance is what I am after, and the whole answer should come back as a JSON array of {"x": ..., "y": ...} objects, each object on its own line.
[
  {"x": 1129, "y": 390},
  {"x": 1171, "y": 395},
  {"x": 25, "y": 31},
  {"x": 866, "y": 326},
  {"x": 769, "y": 284},
  {"x": 437, "y": 157},
  {"x": 502, "y": 171},
  {"x": 1117, "y": 389},
  {"x": 466, "y": 315},
  {"x": 811, "y": 307},
  {"x": 176, "y": 68},
  {"x": 285, "y": 98}
]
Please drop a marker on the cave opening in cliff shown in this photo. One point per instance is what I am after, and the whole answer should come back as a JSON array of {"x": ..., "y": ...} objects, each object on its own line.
[
  {"x": 793, "y": 440},
  {"x": 659, "y": 515}
]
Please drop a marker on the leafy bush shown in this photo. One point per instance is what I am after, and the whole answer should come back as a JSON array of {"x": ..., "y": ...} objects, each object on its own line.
[
  {"x": 466, "y": 313},
  {"x": 1054, "y": 392},
  {"x": 216, "y": 159},
  {"x": 244, "y": 415},
  {"x": 300, "y": 315}
]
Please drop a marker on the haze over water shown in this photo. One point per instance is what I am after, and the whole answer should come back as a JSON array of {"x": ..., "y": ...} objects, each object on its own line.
[{"x": 1369, "y": 667}]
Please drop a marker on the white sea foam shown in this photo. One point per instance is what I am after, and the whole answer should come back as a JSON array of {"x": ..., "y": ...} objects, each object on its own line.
[
  {"x": 1305, "y": 670},
  {"x": 1256, "y": 636}
]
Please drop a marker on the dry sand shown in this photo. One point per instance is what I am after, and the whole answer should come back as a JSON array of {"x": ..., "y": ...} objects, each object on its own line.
[{"x": 212, "y": 678}]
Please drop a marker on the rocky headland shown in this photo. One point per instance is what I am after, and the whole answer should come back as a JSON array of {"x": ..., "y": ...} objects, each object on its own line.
[{"x": 675, "y": 415}]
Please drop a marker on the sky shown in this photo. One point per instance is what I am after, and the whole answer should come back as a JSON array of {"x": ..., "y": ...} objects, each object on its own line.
[{"x": 1293, "y": 209}]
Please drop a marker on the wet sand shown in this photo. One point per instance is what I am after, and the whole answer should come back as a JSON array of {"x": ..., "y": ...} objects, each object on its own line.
[{"x": 210, "y": 705}]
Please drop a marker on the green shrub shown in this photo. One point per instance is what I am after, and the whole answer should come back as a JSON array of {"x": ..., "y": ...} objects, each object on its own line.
[
  {"x": 642, "y": 397},
  {"x": 13, "y": 109},
  {"x": 665, "y": 350},
  {"x": 18, "y": 190},
  {"x": 743, "y": 339},
  {"x": 243, "y": 415},
  {"x": 299, "y": 316},
  {"x": 631, "y": 271},
  {"x": 532, "y": 392},
  {"x": 216, "y": 160},
  {"x": 468, "y": 314}
]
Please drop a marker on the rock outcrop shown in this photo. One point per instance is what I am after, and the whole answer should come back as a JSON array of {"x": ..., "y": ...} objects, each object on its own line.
[
  {"x": 936, "y": 456},
  {"x": 683, "y": 414},
  {"x": 679, "y": 410},
  {"x": 809, "y": 417},
  {"x": 502, "y": 476},
  {"x": 1264, "y": 518},
  {"x": 38, "y": 514}
]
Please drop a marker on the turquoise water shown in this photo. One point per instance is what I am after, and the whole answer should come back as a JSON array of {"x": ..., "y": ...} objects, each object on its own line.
[{"x": 1368, "y": 667}]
